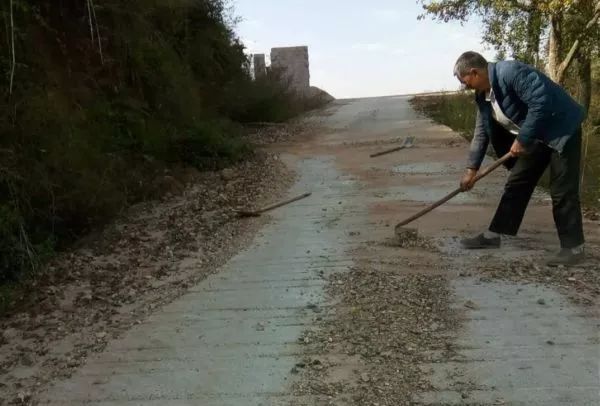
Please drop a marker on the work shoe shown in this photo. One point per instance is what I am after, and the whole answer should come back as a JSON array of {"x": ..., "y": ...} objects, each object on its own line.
[
  {"x": 566, "y": 257},
  {"x": 480, "y": 242}
]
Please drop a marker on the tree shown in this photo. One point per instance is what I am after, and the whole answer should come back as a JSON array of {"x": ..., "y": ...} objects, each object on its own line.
[
  {"x": 508, "y": 25},
  {"x": 581, "y": 79},
  {"x": 582, "y": 17},
  {"x": 519, "y": 24}
]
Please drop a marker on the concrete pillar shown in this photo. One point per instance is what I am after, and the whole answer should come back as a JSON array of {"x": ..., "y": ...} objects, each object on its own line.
[
  {"x": 293, "y": 63},
  {"x": 260, "y": 66}
]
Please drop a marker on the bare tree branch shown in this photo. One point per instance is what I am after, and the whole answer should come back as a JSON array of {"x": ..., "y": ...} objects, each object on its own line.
[
  {"x": 12, "y": 69},
  {"x": 90, "y": 21},
  {"x": 564, "y": 65},
  {"x": 26, "y": 245},
  {"x": 91, "y": 3}
]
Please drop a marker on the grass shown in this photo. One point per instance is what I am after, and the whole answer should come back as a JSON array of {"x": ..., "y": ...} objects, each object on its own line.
[{"x": 458, "y": 111}]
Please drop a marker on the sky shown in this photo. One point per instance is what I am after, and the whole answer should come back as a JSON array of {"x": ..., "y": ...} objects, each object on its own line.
[{"x": 360, "y": 48}]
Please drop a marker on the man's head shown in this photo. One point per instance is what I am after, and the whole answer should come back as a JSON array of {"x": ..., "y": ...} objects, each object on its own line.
[{"x": 471, "y": 69}]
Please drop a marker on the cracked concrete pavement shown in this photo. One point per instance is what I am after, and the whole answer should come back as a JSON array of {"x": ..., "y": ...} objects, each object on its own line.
[{"x": 235, "y": 338}]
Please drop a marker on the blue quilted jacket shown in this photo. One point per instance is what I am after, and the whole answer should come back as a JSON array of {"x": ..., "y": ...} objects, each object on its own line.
[{"x": 543, "y": 110}]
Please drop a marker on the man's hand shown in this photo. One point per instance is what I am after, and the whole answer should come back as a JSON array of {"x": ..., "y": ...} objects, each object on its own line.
[
  {"x": 468, "y": 180},
  {"x": 517, "y": 149}
]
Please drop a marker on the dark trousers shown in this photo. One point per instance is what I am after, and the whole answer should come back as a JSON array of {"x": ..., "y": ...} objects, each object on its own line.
[{"x": 564, "y": 189}]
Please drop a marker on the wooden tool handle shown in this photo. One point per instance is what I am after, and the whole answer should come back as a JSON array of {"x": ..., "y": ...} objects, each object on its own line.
[
  {"x": 283, "y": 203},
  {"x": 406, "y": 144},
  {"x": 387, "y": 151},
  {"x": 443, "y": 200},
  {"x": 493, "y": 167},
  {"x": 429, "y": 208}
]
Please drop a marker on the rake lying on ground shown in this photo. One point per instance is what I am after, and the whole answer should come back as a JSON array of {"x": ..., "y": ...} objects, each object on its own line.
[
  {"x": 256, "y": 213},
  {"x": 408, "y": 142}
]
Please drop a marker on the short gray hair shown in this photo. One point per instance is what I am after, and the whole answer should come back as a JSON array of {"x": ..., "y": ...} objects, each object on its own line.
[{"x": 467, "y": 61}]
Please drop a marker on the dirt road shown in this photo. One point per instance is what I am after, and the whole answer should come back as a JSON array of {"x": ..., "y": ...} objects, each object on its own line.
[{"x": 324, "y": 307}]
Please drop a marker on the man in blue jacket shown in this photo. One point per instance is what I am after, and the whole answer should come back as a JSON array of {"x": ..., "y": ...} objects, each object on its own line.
[{"x": 522, "y": 111}]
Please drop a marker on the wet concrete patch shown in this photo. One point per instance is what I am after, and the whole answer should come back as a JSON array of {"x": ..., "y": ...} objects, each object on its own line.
[
  {"x": 429, "y": 168},
  {"x": 233, "y": 339},
  {"x": 522, "y": 344}
]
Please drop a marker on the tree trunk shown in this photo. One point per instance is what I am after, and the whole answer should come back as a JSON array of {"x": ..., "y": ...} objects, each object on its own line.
[
  {"x": 555, "y": 49},
  {"x": 584, "y": 84},
  {"x": 588, "y": 9},
  {"x": 557, "y": 66},
  {"x": 534, "y": 30}
]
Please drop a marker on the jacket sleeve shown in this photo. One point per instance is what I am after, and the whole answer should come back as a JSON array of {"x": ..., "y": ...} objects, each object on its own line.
[
  {"x": 529, "y": 86},
  {"x": 479, "y": 144}
]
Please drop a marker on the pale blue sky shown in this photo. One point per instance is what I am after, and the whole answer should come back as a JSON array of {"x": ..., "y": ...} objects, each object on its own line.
[{"x": 361, "y": 48}]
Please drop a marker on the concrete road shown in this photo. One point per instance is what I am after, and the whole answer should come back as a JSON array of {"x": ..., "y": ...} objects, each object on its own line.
[{"x": 234, "y": 339}]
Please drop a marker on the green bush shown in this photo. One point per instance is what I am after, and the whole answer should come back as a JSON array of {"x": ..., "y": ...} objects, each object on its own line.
[
  {"x": 267, "y": 99},
  {"x": 13, "y": 255},
  {"x": 86, "y": 128},
  {"x": 211, "y": 144}
]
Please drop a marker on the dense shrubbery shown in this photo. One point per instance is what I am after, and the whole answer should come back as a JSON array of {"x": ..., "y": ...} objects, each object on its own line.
[{"x": 105, "y": 95}]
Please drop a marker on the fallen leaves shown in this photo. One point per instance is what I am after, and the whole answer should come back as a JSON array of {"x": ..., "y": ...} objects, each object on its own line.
[
  {"x": 147, "y": 258},
  {"x": 390, "y": 323}
]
